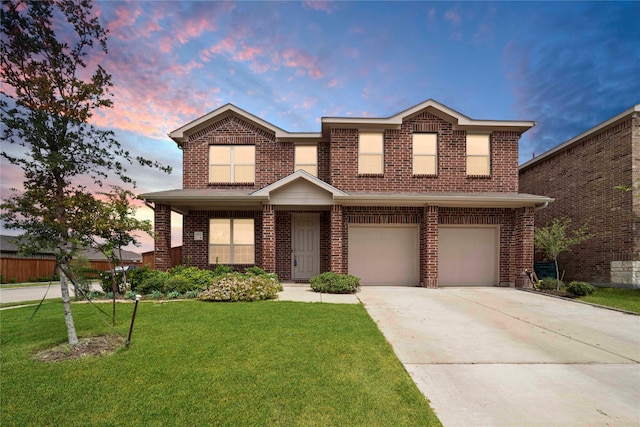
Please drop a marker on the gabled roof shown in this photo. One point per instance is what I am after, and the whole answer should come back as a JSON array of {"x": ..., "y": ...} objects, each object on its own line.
[
  {"x": 612, "y": 121},
  {"x": 460, "y": 121},
  {"x": 299, "y": 175},
  {"x": 181, "y": 134}
]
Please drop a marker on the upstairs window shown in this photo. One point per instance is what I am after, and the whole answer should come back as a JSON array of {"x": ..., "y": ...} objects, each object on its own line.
[
  {"x": 370, "y": 153},
  {"x": 425, "y": 153},
  {"x": 306, "y": 158},
  {"x": 231, "y": 241},
  {"x": 232, "y": 163},
  {"x": 478, "y": 155}
]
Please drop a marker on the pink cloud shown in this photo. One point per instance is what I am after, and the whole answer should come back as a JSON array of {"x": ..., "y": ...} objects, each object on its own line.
[
  {"x": 324, "y": 6},
  {"x": 296, "y": 58},
  {"x": 194, "y": 28},
  {"x": 453, "y": 16}
]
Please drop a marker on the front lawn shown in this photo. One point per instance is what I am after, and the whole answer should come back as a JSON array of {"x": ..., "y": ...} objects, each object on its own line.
[
  {"x": 625, "y": 299},
  {"x": 225, "y": 364}
]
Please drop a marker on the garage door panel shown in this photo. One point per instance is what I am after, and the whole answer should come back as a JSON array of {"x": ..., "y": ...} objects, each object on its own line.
[
  {"x": 468, "y": 256},
  {"x": 384, "y": 255}
]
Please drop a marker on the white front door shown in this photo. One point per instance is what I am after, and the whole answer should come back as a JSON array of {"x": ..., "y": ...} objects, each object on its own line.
[{"x": 305, "y": 246}]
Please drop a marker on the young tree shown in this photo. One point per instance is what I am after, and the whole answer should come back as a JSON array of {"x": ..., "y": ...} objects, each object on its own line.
[
  {"x": 47, "y": 99},
  {"x": 554, "y": 239},
  {"x": 115, "y": 228}
]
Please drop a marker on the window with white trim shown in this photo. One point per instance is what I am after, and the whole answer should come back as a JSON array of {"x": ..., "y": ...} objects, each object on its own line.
[
  {"x": 425, "y": 153},
  {"x": 306, "y": 158},
  {"x": 231, "y": 241},
  {"x": 478, "y": 155},
  {"x": 371, "y": 153},
  {"x": 232, "y": 163}
]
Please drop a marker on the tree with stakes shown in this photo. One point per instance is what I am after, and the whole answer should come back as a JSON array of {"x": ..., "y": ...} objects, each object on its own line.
[{"x": 47, "y": 99}]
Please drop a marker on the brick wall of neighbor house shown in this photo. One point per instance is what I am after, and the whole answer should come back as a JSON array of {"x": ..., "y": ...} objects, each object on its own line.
[
  {"x": 196, "y": 252},
  {"x": 398, "y": 163},
  {"x": 582, "y": 177}
]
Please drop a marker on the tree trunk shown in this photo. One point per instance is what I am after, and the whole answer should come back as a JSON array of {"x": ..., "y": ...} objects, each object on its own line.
[
  {"x": 68, "y": 318},
  {"x": 557, "y": 274}
]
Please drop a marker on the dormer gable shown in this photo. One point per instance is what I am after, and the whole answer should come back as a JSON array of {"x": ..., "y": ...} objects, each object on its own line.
[{"x": 300, "y": 188}]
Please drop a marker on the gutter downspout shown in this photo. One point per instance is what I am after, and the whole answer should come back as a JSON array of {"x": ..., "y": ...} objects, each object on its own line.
[{"x": 540, "y": 207}]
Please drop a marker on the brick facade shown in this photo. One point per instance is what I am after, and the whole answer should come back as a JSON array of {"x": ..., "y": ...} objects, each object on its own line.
[
  {"x": 338, "y": 167},
  {"x": 582, "y": 177}
]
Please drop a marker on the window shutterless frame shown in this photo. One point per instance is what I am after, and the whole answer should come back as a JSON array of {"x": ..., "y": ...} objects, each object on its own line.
[
  {"x": 370, "y": 153},
  {"x": 232, "y": 163},
  {"x": 478, "y": 155}
]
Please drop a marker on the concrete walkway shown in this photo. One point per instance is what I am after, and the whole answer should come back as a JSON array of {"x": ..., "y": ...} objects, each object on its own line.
[
  {"x": 303, "y": 293},
  {"x": 502, "y": 357}
]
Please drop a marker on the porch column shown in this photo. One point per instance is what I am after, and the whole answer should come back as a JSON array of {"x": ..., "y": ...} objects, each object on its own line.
[
  {"x": 522, "y": 253},
  {"x": 337, "y": 264},
  {"x": 162, "y": 243},
  {"x": 429, "y": 248},
  {"x": 268, "y": 238}
]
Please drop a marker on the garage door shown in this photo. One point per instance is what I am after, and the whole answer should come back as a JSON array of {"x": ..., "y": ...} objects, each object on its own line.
[
  {"x": 385, "y": 254},
  {"x": 468, "y": 256}
]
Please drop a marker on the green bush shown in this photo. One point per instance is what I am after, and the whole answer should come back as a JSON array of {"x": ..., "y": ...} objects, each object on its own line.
[
  {"x": 131, "y": 295},
  {"x": 549, "y": 283},
  {"x": 191, "y": 294},
  {"x": 334, "y": 283},
  {"x": 580, "y": 289},
  {"x": 222, "y": 270},
  {"x": 241, "y": 287},
  {"x": 156, "y": 295},
  {"x": 198, "y": 279},
  {"x": 179, "y": 284},
  {"x": 255, "y": 270},
  {"x": 155, "y": 282},
  {"x": 173, "y": 295}
]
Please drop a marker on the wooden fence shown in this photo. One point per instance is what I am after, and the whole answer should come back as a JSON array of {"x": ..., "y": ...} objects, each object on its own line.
[
  {"x": 29, "y": 269},
  {"x": 148, "y": 258}
]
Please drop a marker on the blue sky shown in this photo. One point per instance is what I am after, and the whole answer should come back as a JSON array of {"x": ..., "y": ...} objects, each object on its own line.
[{"x": 567, "y": 65}]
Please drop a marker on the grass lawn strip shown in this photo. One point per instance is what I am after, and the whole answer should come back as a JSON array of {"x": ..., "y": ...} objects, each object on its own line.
[
  {"x": 623, "y": 299},
  {"x": 195, "y": 363}
]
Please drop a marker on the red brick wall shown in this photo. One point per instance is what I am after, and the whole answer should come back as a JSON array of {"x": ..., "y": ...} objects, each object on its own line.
[
  {"x": 274, "y": 160},
  {"x": 162, "y": 229},
  {"x": 196, "y": 252},
  {"x": 398, "y": 173},
  {"x": 582, "y": 178}
]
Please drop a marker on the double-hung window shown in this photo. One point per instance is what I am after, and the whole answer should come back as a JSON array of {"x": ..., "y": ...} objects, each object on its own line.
[
  {"x": 232, "y": 163},
  {"x": 371, "y": 153},
  {"x": 306, "y": 158},
  {"x": 425, "y": 153},
  {"x": 478, "y": 155},
  {"x": 231, "y": 241}
]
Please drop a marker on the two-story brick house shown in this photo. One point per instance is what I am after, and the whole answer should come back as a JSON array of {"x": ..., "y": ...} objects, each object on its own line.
[
  {"x": 425, "y": 197},
  {"x": 581, "y": 174}
]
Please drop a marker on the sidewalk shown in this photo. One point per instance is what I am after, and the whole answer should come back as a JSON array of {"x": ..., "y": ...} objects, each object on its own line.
[{"x": 303, "y": 293}]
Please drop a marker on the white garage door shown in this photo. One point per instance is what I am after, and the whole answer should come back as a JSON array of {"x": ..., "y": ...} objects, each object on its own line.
[
  {"x": 468, "y": 256},
  {"x": 385, "y": 254}
]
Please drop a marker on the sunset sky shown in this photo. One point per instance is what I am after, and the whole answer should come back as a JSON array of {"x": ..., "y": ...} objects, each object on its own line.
[{"x": 568, "y": 66}]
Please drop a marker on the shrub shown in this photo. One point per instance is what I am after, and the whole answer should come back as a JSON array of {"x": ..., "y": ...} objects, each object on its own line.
[
  {"x": 173, "y": 295},
  {"x": 196, "y": 278},
  {"x": 156, "y": 295},
  {"x": 580, "y": 289},
  {"x": 155, "y": 282},
  {"x": 95, "y": 295},
  {"x": 131, "y": 295},
  {"x": 222, "y": 270},
  {"x": 191, "y": 294},
  {"x": 334, "y": 283},
  {"x": 241, "y": 287},
  {"x": 548, "y": 284},
  {"x": 255, "y": 270},
  {"x": 178, "y": 284}
]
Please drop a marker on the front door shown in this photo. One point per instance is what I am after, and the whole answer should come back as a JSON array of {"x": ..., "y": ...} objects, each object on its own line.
[{"x": 305, "y": 246}]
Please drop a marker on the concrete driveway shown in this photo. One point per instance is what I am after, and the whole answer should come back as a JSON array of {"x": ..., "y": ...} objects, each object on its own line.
[{"x": 503, "y": 357}]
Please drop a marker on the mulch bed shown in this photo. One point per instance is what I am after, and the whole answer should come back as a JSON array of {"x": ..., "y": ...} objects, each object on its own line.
[
  {"x": 92, "y": 346},
  {"x": 563, "y": 294}
]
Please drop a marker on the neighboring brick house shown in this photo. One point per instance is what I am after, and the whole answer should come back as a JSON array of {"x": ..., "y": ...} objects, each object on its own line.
[
  {"x": 581, "y": 174},
  {"x": 426, "y": 197}
]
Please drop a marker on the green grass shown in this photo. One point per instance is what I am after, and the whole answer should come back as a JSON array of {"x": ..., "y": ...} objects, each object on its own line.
[
  {"x": 27, "y": 284},
  {"x": 625, "y": 299},
  {"x": 193, "y": 363}
]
